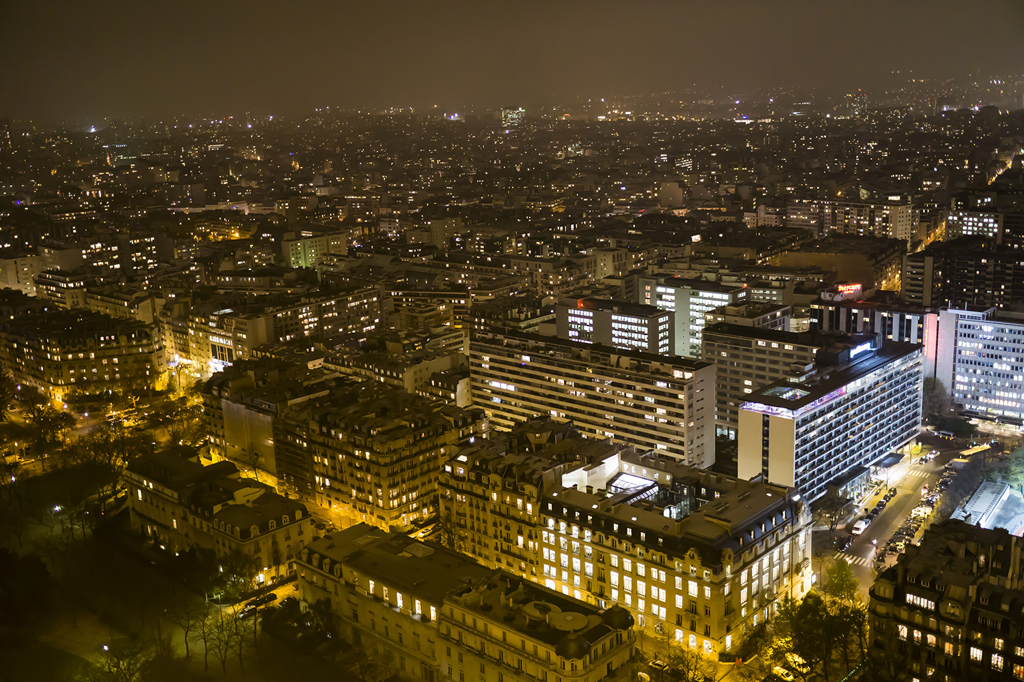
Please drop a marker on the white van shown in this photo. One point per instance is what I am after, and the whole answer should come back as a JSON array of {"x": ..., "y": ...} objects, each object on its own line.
[{"x": 859, "y": 527}]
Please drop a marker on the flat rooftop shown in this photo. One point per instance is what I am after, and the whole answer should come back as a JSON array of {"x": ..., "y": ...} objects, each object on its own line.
[
  {"x": 793, "y": 395},
  {"x": 613, "y": 306}
]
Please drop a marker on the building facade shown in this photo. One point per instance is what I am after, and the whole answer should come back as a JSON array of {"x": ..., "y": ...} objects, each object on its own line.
[
  {"x": 691, "y": 300},
  {"x": 617, "y": 324},
  {"x": 951, "y": 607},
  {"x": 697, "y": 558},
  {"x": 656, "y": 402},
  {"x": 849, "y": 413},
  {"x": 428, "y": 613}
]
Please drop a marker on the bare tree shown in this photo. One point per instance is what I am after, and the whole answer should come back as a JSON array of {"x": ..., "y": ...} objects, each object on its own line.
[
  {"x": 831, "y": 509},
  {"x": 685, "y": 665},
  {"x": 188, "y": 615},
  {"x": 203, "y": 632},
  {"x": 220, "y": 641}
]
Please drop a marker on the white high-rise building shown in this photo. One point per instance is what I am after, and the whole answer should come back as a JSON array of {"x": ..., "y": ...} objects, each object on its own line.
[
  {"x": 981, "y": 361},
  {"x": 691, "y": 300},
  {"x": 849, "y": 413},
  {"x": 615, "y": 323}
]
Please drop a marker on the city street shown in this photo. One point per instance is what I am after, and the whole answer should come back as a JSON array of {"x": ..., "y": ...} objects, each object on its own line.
[{"x": 908, "y": 477}]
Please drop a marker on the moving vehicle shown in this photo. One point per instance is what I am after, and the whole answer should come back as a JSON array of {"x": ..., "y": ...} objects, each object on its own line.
[{"x": 860, "y": 526}]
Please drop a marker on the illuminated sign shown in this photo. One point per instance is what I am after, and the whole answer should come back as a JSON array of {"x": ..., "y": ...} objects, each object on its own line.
[
  {"x": 849, "y": 288},
  {"x": 860, "y": 349}
]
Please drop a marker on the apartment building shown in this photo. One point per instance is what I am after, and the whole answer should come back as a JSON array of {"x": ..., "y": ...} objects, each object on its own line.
[
  {"x": 659, "y": 402},
  {"x": 691, "y": 300},
  {"x": 371, "y": 453},
  {"x": 855, "y": 406},
  {"x": 618, "y": 324},
  {"x": 179, "y": 504},
  {"x": 59, "y": 351},
  {"x": 242, "y": 402},
  {"x": 951, "y": 607},
  {"x": 228, "y": 328},
  {"x": 969, "y": 271},
  {"x": 696, "y": 557},
  {"x": 428, "y": 613}
]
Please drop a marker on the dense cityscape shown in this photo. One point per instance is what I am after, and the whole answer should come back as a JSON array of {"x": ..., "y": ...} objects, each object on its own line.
[{"x": 709, "y": 383}]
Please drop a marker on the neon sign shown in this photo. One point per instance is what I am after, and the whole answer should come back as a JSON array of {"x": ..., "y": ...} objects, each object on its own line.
[{"x": 849, "y": 288}]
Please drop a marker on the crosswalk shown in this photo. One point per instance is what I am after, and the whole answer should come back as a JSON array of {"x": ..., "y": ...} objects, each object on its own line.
[
  {"x": 918, "y": 473},
  {"x": 855, "y": 560}
]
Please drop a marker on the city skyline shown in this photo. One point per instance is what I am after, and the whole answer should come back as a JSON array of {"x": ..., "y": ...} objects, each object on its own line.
[{"x": 75, "y": 62}]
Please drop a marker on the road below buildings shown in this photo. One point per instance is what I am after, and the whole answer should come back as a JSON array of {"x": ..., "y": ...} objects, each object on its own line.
[{"x": 908, "y": 479}]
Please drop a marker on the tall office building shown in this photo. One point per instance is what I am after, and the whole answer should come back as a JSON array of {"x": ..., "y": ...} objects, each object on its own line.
[
  {"x": 849, "y": 412},
  {"x": 659, "y": 402},
  {"x": 690, "y": 300},
  {"x": 698, "y": 558},
  {"x": 748, "y": 358},
  {"x": 617, "y": 324},
  {"x": 981, "y": 360},
  {"x": 5, "y": 135}
]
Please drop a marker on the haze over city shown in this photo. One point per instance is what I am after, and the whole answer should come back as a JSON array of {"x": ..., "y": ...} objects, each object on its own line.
[{"x": 82, "y": 62}]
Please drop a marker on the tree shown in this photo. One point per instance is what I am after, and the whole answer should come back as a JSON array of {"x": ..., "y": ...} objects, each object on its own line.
[
  {"x": 1012, "y": 470},
  {"x": 220, "y": 641},
  {"x": 449, "y": 533},
  {"x": 685, "y": 665},
  {"x": 937, "y": 404},
  {"x": 8, "y": 393},
  {"x": 123, "y": 661},
  {"x": 242, "y": 569},
  {"x": 203, "y": 633},
  {"x": 840, "y": 583},
  {"x": 831, "y": 509},
  {"x": 187, "y": 615}
]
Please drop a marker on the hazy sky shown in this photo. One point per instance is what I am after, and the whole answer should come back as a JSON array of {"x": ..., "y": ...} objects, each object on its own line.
[{"x": 84, "y": 59}]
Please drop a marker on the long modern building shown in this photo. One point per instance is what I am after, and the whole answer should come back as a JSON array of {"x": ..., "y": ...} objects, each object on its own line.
[
  {"x": 748, "y": 358},
  {"x": 619, "y": 324},
  {"x": 698, "y": 558},
  {"x": 970, "y": 271},
  {"x": 653, "y": 402},
  {"x": 849, "y": 411},
  {"x": 428, "y": 613}
]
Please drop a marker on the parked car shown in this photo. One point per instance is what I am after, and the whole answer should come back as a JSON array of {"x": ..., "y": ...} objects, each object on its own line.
[{"x": 861, "y": 526}]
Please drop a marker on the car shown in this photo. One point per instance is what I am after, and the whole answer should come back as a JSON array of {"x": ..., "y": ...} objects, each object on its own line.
[
  {"x": 860, "y": 526},
  {"x": 261, "y": 600},
  {"x": 658, "y": 665}
]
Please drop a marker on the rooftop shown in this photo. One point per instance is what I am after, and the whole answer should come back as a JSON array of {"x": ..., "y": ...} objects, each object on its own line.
[{"x": 829, "y": 383}]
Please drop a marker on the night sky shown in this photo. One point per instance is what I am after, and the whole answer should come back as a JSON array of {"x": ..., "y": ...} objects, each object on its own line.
[{"x": 80, "y": 60}]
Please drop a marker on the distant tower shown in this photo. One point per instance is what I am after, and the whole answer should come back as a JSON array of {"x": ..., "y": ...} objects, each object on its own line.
[
  {"x": 5, "y": 134},
  {"x": 512, "y": 116}
]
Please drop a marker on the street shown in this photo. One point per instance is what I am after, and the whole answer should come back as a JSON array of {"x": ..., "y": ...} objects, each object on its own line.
[{"x": 909, "y": 479}]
